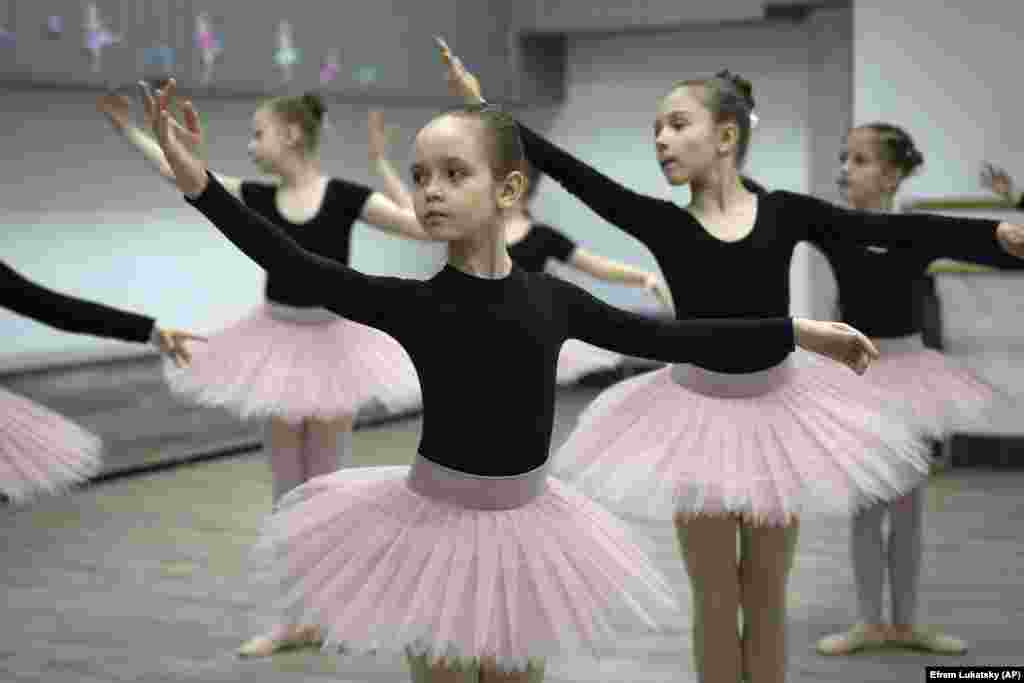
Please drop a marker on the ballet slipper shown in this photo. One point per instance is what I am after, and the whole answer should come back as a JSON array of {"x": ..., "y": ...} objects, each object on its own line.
[
  {"x": 928, "y": 640},
  {"x": 288, "y": 638},
  {"x": 860, "y": 637}
]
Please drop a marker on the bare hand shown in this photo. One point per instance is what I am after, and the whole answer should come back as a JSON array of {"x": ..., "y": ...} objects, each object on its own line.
[
  {"x": 172, "y": 344},
  {"x": 655, "y": 286},
  {"x": 461, "y": 82},
  {"x": 1011, "y": 238},
  {"x": 378, "y": 134},
  {"x": 175, "y": 141},
  {"x": 837, "y": 341},
  {"x": 997, "y": 180},
  {"x": 117, "y": 108}
]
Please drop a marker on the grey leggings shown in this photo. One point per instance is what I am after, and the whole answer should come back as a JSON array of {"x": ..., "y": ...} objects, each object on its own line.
[{"x": 901, "y": 553}]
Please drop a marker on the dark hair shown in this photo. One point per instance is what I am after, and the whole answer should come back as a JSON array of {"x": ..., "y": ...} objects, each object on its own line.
[
  {"x": 897, "y": 147},
  {"x": 729, "y": 97},
  {"x": 505, "y": 147},
  {"x": 305, "y": 110},
  {"x": 752, "y": 185}
]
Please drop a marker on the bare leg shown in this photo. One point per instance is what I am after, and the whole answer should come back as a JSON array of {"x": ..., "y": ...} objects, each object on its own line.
[
  {"x": 766, "y": 558},
  {"x": 708, "y": 546},
  {"x": 328, "y": 445},
  {"x": 284, "y": 443}
]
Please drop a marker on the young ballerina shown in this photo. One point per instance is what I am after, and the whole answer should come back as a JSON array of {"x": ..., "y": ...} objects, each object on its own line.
[
  {"x": 878, "y": 294},
  {"x": 290, "y": 361},
  {"x": 40, "y": 451},
  {"x": 473, "y": 560},
  {"x": 1000, "y": 182},
  {"x": 531, "y": 244},
  {"x": 742, "y": 446}
]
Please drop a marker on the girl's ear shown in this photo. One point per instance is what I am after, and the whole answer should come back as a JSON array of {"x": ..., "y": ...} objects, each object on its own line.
[
  {"x": 511, "y": 190},
  {"x": 728, "y": 137}
]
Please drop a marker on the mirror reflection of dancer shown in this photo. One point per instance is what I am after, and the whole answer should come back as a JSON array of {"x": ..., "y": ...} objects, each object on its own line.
[
  {"x": 473, "y": 561},
  {"x": 330, "y": 67},
  {"x": 40, "y": 451},
  {"x": 97, "y": 36},
  {"x": 531, "y": 244},
  {"x": 738, "y": 447},
  {"x": 290, "y": 361},
  {"x": 209, "y": 47},
  {"x": 879, "y": 294},
  {"x": 286, "y": 56},
  {"x": 1000, "y": 182}
]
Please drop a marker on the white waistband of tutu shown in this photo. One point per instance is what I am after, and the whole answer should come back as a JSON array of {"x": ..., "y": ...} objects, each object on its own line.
[
  {"x": 305, "y": 316},
  {"x": 907, "y": 344},
  {"x": 479, "y": 492},
  {"x": 732, "y": 385}
]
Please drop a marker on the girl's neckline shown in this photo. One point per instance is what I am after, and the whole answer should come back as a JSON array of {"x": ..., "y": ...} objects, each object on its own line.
[
  {"x": 325, "y": 182},
  {"x": 742, "y": 238}
]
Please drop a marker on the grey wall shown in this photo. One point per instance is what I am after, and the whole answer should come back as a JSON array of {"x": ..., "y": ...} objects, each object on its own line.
[{"x": 618, "y": 15}]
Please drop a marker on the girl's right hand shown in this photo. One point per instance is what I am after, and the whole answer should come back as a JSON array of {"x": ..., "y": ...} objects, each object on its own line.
[
  {"x": 461, "y": 82},
  {"x": 117, "y": 109},
  {"x": 189, "y": 170}
]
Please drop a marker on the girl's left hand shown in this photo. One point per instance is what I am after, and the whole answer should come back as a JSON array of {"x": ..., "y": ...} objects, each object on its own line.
[
  {"x": 655, "y": 285},
  {"x": 1011, "y": 238},
  {"x": 172, "y": 344},
  {"x": 378, "y": 135}
]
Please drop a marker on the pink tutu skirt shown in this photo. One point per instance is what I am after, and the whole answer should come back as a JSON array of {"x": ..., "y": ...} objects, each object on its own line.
[
  {"x": 805, "y": 435},
  {"x": 41, "y": 451},
  {"x": 578, "y": 359},
  {"x": 459, "y": 567},
  {"x": 938, "y": 394},
  {"x": 297, "y": 363}
]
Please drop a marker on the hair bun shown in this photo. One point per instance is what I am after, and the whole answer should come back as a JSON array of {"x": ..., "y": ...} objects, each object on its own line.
[
  {"x": 744, "y": 86},
  {"x": 315, "y": 103}
]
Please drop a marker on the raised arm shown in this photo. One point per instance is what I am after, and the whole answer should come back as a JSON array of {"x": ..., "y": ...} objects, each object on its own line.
[
  {"x": 117, "y": 109},
  {"x": 373, "y": 301},
  {"x": 636, "y": 214},
  {"x": 933, "y": 236},
  {"x": 394, "y": 188},
  {"x": 745, "y": 345}
]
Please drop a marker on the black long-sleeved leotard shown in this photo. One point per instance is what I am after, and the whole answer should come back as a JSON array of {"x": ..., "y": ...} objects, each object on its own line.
[
  {"x": 328, "y": 233},
  {"x": 541, "y": 243},
  {"x": 486, "y": 350},
  {"x": 748, "y": 278},
  {"x": 67, "y": 313}
]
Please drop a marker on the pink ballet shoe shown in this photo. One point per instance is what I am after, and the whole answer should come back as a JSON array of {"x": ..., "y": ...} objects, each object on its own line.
[
  {"x": 860, "y": 637},
  {"x": 928, "y": 640},
  {"x": 280, "y": 639}
]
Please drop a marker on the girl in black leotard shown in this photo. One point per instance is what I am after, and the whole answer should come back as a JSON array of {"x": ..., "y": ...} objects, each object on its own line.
[
  {"x": 473, "y": 558},
  {"x": 40, "y": 451},
  {"x": 880, "y": 293}
]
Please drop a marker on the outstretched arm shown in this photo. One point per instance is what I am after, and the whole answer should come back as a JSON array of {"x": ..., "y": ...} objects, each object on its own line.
[
  {"x": 79, "y": 316},
  {"x": 735, "y": 342},
  {"x": 933, "y": 236},
  {"x": 620, "y": 273},
  {"x": 392, "y": 210},
  {"x": 369, "y": 300}
]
